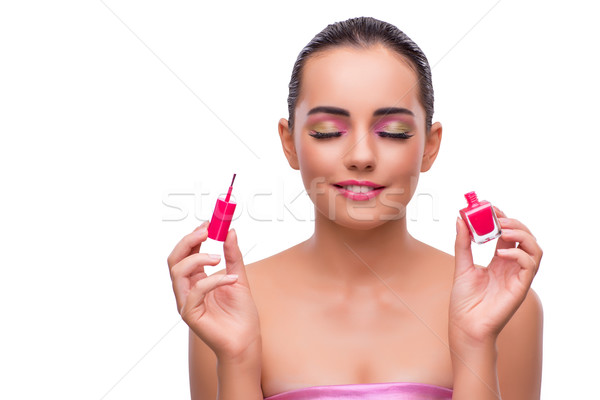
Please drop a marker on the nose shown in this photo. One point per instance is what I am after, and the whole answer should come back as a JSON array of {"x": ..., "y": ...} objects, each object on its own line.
[{"x": 361, "y": 153}]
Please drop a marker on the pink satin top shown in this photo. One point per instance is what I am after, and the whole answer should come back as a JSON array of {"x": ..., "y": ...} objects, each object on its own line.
[{"x": 379, "y": 391}]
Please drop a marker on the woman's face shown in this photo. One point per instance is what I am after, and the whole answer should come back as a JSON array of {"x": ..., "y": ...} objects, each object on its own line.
[{"x": 358, "y": 118}]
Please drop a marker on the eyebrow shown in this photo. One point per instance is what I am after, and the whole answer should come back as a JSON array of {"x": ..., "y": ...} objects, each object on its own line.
[{"x": 346, "y": 113}]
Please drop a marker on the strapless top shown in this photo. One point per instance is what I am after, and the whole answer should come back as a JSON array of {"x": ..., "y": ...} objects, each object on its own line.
[{"x": 378, "y": 391}]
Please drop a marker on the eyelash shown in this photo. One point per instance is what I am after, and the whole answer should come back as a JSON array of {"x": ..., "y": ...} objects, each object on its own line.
[
  {"x": 323, "y": 135},
  {"x": 401, "y": 135}
]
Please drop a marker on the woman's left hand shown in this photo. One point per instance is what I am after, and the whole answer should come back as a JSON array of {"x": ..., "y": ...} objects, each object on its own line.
[{"x": 484, "y": 299}]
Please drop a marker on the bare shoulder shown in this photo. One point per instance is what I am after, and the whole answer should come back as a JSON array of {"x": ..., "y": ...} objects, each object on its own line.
[
  {"x": 520, "y": 351},
  {"x": 262, "y": 267},
  {"x": 520, "y": 343},
  {"x": 435, "y": 253},
  {"x": 275, "y": 269},
  {"x": 272, "y": 275},
  {"x": 442, "y": 261},
  {"x": 525, "y": 324}
]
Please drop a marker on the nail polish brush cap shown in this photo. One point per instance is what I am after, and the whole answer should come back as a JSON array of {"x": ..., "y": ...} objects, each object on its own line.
[{"x": 222, "y": 216}]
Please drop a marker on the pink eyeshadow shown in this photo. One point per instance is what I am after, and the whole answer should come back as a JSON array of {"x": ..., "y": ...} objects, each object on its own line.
[
  {"x": 387, "y": 120},
  {"x": 327, "y": 119}
]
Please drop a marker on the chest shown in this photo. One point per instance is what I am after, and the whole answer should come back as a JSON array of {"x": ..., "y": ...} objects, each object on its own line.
[{"x": 368, "y": 339}]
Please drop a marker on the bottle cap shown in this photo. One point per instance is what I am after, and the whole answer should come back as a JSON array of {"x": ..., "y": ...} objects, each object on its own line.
[
  {"x": 221, "y": 219},
  {"x": 222, "y": 216}
]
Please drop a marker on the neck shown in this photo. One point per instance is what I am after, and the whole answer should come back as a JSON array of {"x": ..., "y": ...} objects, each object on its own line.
[{"x": 359, "y": 257}]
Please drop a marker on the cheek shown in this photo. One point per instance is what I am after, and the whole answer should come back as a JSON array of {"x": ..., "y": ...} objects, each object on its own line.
[
  {"x": 316, "y": 162},
  {"x": 404, "y": 166},
  {"x": 402, "y": 160}
]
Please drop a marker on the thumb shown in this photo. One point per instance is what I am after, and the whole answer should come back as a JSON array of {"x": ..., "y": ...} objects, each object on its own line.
[
  {"x": 234, "y": 263},
  {"x": 463, "y": 257}
]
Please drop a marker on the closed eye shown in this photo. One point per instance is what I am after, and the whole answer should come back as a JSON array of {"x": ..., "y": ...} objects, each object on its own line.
[
  {"x": 324, "y": 135},
  {"x": 400, "y": 135}
]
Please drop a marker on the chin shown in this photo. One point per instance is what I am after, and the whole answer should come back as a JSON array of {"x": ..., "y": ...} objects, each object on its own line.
[
  {"x": 364, "y": 220},
  {"x": 360, "y": 215}
]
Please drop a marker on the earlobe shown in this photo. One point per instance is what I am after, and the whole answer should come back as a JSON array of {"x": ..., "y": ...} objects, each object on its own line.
[
  {"x": 432, "y": 146},
  {"x": 287, "y": 142}
]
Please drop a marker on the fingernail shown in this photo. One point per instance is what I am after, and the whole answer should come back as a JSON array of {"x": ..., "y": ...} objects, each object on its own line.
[
  {"x": 457, "y": 218},
  {"x": 502, "y": 251},
  {"x": 214, "y": 257},
  {"x": 203, "y": 226},
  {"x": 200, "y": 232},
  {"x": 231, "y": 277}
]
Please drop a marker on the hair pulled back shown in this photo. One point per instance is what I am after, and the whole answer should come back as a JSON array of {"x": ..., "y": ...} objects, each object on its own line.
[{"x": 362, "y": 33}]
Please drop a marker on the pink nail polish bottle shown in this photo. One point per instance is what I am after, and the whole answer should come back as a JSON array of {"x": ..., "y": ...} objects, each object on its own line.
[
  {"x": 481, "y": 219},
  {"x": 222, "y": 216}
]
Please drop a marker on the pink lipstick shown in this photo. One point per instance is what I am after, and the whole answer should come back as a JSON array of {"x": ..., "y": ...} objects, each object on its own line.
[{"x": 358, "y": 190}]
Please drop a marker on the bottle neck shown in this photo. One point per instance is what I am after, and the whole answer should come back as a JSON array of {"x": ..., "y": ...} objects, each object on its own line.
[
  {"x": 228, "y": 194},
  {"x": 472, "y": 199}
]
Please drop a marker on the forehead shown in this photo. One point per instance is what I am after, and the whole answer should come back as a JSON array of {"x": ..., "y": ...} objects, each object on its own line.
[{"x": 359, "y": 80}]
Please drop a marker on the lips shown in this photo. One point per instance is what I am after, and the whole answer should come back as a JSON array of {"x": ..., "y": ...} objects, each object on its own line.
[{"x": 358, "y": 190}]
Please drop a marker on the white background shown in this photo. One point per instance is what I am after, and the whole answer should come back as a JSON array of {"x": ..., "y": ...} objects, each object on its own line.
[{"x": 110, "y": 112}]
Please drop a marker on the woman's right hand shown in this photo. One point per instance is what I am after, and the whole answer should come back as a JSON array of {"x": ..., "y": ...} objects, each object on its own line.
[{"x": 220, "y": 310}]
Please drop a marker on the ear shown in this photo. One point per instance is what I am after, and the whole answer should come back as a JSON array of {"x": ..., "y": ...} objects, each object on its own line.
[
  {"x": 432, "y": 146},
  {"x": 287, "y": 142}
]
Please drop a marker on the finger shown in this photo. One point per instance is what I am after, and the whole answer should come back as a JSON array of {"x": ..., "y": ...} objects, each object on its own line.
[
  {"x": 201, "y": 288},
  {"x": 187, "y": 243},
  {"x": 527, "y": 263},
  {"x": 462, "y": 248},
  {"x": 181, "y": 288},
  {"x": 526, "y": 242},
  {"x": 193, "y": 264},
  {"x": 196, "y": 249},
  {"x": 187, "y": 272},
  {"x": 234, "y": 262},
  {"x": 512, "y": 223},
  {"x": 502, "y": 243},
  {"x": 499, "y": 212}
]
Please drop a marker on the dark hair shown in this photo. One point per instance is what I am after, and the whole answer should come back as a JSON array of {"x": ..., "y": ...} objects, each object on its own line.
[{"x": 363, "y": 32}]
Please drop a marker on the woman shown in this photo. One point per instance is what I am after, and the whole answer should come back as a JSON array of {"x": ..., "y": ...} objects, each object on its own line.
[{"x": 361, "y": 307}]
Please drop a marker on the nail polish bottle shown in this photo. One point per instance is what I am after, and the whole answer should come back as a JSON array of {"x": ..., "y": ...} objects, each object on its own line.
[
  {"x": 481, "y": 219},
  {"x": 222, "y": 216}
]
